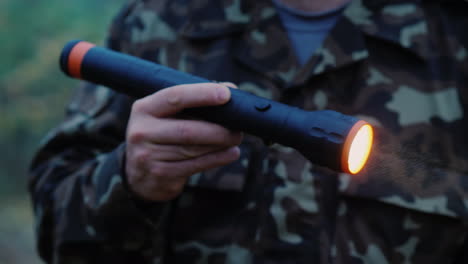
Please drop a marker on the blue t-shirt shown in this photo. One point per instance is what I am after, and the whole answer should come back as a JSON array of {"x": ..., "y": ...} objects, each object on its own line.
[{"x": 307, "y": 30}]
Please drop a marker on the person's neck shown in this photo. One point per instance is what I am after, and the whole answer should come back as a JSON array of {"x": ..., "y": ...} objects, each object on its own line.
[{"x": 314, "y": 5}]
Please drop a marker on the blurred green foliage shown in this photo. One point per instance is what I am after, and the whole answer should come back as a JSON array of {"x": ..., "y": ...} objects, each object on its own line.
[
  {"x": 33, "y": 92},
  {"x": 33, "y": 95}
]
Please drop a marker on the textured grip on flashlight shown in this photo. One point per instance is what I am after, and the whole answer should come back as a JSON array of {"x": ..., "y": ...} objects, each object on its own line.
[{"x": 318, "y": 135}]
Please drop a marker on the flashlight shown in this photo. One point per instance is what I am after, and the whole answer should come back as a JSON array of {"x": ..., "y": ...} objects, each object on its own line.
[{"x": 328, "y": 138}]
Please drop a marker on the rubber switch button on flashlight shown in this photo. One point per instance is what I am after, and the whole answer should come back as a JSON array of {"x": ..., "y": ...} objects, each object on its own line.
[{"x": 262, "y": 106}]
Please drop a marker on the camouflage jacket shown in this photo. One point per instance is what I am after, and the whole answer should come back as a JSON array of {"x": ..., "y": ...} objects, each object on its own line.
[{"x": 402, "y": 65}]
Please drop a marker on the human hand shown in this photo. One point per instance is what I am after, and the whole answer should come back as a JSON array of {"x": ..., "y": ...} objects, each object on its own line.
[{"x": 163, "y": 149}]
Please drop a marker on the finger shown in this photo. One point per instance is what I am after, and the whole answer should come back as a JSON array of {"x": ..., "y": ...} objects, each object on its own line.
[
  {"x": 185, "y": 168},
  {"x": 182, "y": 152},
  {"x": 174, "y": 99},
  {"x": 165, "y": 180},
  {"x": 183, "y": 132}
]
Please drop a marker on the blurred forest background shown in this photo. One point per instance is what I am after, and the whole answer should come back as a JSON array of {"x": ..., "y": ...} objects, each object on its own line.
[{"x": 33, "y": 94}]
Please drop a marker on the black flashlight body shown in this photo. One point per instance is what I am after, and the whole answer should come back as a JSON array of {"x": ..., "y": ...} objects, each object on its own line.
[{"x": 318, "y": 135}]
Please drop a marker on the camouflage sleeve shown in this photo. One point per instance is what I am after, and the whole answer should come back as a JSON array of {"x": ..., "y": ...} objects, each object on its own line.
[
  {"x": 457, "y": 16},
  {"x": 81, "y": 202},
  {"x": 84, "y": 212}
]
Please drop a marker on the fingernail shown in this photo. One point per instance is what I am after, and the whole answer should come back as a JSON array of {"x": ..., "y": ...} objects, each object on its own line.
[
  {"x": 235, "y": 151},
  {"x": 223, "y": 94}
]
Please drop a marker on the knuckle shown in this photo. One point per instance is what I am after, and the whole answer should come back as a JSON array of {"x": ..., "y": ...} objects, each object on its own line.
[
  {"x": 210, "y": 94},
  {"x": 135, "y": 136},
  {"x": 173, "y": 96},
  {"x": 138, "y": 106},
  {"x": 213, "y": 95},
  {"x": 142, "y": 157},
  {"x": 184, "y": 132}
]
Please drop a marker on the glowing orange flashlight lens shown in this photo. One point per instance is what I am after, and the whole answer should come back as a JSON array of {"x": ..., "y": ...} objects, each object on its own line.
[
  {"x": 360, "y": 149},
  {"x": 357, "y": 147}
]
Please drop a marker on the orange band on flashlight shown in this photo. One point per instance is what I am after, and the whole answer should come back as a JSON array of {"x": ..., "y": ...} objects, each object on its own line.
[
  {"x": 76, "y": 57},
  {"x": 367, "y": 144}
]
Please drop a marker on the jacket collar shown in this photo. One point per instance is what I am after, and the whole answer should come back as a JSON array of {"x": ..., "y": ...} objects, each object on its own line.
[
  {"x": 264, "y": 45},
  {"x": 225, "y": 17}
]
